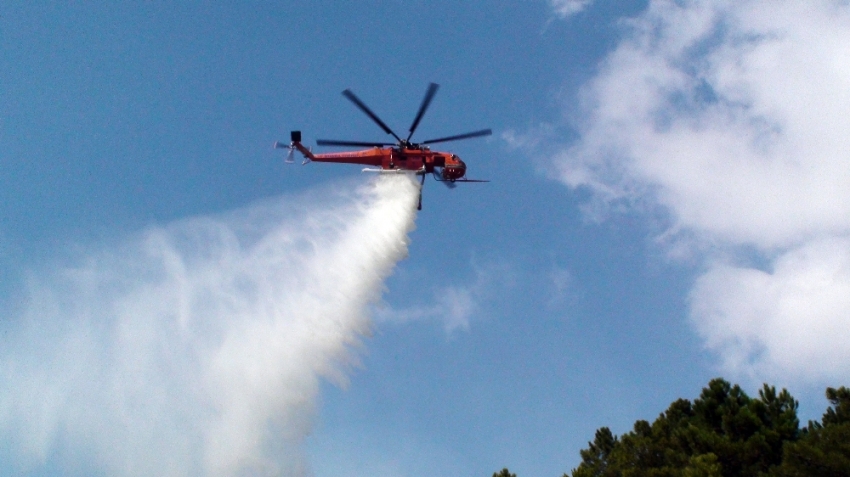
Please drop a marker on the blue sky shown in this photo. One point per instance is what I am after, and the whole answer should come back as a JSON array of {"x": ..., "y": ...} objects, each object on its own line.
[{"x": 668, "y": 204}]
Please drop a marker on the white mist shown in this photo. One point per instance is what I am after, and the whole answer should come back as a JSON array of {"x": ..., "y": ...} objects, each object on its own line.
[{"x": 198, "y": 348}]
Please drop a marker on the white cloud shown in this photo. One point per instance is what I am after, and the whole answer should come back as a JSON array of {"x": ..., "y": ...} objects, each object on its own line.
[
  {"x": 730, "y": 117},
  {"x": 561, "y": 287},
  {"x": 566, "y": 8},
  {"x": 452, "y": 306},
  {"x": 791, "y": 323},
  {"x": 456, "y": 305},
  {"x": 197, "y": 349}
]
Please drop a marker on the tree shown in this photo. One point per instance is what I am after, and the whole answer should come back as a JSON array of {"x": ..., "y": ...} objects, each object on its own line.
[
  {"x": 824, "y": 448},
  {"x": 722, "y": 433},
  {"x": 504, "y": 473},
  {"x": 596, "y": 457}
]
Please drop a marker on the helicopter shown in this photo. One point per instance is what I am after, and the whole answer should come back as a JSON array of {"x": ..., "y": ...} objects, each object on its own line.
[{"x": 402, "y": 156}]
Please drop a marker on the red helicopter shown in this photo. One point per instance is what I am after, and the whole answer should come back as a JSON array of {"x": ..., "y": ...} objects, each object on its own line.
[{"x": 401, "y": 156}]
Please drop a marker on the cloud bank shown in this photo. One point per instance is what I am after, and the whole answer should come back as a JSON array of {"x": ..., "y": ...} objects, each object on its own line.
[
  {"x": 198, "y": 348},
  {"x": 729, "y": 119}
]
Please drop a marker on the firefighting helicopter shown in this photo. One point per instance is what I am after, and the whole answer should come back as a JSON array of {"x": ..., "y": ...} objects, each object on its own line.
[{"x": 402, "y": 156}]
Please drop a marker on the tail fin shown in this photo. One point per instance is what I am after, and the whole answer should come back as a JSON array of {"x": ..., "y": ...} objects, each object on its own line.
[{"x": 295, "y": 137}]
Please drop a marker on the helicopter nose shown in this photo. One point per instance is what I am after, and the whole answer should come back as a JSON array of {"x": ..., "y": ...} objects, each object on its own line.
[
  {"x": 460, "y": 164},
  {"x": 454, "y": 169}
]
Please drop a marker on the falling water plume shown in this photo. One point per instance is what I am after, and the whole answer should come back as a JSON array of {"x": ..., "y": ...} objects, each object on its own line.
[{"x": 198, "y": 348}]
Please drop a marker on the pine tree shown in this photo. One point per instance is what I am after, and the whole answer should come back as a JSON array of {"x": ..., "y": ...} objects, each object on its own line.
[
  {"x": 722, "y": 433},
  {"x": 504, "y": 473},
  {"x": 824, "y": 448}
]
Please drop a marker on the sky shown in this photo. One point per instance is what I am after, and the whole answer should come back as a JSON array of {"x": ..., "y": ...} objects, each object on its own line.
[{"x": 668, "y": 203}]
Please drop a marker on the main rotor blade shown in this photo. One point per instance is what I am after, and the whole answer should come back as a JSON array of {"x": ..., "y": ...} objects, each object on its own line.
[
  {"x": 483, "y": 132},
  {"x": 354, "y": 99},
  {"x": 332, "y": 142},
  {"x": 426, "y": 101}
]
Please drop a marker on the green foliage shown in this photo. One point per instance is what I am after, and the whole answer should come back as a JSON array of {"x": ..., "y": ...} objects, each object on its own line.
[
  {"x": 839, "y": 412},
  {"x": 824, "y": 448},
  {"x": 504, "y": 473},
  {"x": 595, "y": 457},
  {"x": 823, "y": 453},
  {"x": 726, "y": 433},
  {"x": 703, "y": 465},
  {"x": 722, "y": 433}
]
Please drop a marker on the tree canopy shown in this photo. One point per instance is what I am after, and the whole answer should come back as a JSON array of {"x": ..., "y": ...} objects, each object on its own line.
[
  {"x": 726, "y": 433},
  {"x": 824, "y": 448}
]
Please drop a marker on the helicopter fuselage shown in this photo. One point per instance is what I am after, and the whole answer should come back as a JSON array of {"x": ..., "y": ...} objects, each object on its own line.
[
  {"x": 400, "y": 156},
  {"x": 415, "y": 159}
]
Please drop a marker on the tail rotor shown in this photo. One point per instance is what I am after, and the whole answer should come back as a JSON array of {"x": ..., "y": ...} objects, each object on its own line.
[{"x": 289, "y": 156}]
